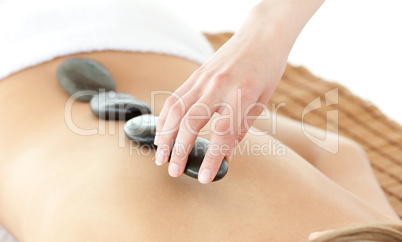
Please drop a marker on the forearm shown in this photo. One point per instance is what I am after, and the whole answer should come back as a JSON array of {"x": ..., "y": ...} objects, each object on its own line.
[{"x": 277, "y": 23}]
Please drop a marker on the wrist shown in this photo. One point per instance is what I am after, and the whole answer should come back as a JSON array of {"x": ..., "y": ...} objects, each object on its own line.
[
  {"x": 278, "y": 23},
  {"x": 264, "y": 35}
]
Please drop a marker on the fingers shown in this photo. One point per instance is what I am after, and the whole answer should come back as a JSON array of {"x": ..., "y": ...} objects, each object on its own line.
[
  {"x": 224, "y": 139},
  {"x": 219, "y": 147},
  {"x": 173, "y": 99},
  {"x": 190, "y": 108},
  {"x": 247, "y": 122},
  {"x": 171, "y": 127},
  {"x": 252, "y": 115},
  {"x": 169, "y": 103},
  {"x": 223, "y": 136},
  {"x": 196, "y": 118}
]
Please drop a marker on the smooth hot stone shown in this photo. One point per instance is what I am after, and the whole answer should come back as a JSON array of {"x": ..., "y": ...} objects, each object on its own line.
[
  {"x": 78, "y": 74},
  {"x": 142, "y": 130},
  {"x": 117, "y": 106},
  {"x": 196, "y": 157}
]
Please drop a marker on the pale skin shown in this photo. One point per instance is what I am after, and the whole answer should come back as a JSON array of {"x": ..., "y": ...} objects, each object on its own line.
[
  {"x": 252, "y": 61},
  {"x": 58, "y": 185}
]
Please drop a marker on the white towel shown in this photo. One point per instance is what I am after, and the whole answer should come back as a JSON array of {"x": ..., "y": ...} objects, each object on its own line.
[
  {"x": 32, "y": 32},
  {"x": 5, "y": 236}
]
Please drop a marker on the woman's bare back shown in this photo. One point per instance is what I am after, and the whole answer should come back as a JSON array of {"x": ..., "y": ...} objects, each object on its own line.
[{"x": 58, "y": 182}]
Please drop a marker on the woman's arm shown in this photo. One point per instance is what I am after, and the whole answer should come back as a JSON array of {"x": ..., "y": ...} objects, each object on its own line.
[
  {"x": 236, "y": 82},
  {"x": 280, "y": 21}
]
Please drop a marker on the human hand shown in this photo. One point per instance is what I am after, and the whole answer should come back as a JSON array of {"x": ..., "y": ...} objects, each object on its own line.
[{"x": 236, "y": 82}]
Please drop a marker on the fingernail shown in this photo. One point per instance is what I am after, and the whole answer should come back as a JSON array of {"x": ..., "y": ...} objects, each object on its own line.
[
  {"x": 160, "y": 159},
  {"x": 205, "y": 176},
  {"x": 174, "y": 170},
  {"x": 156, "y": 138}
]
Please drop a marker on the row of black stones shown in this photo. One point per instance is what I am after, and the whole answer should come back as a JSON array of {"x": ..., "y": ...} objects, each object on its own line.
[{"x": 89, "y": 77}]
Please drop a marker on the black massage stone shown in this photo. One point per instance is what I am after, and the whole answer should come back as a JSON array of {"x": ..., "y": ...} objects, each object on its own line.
[
  {"x": 117, "y": 106},
  {"x": 196, "y": 157},
  {"x": 142, "y": 129},
  {"x": 78, "y": 74}
]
